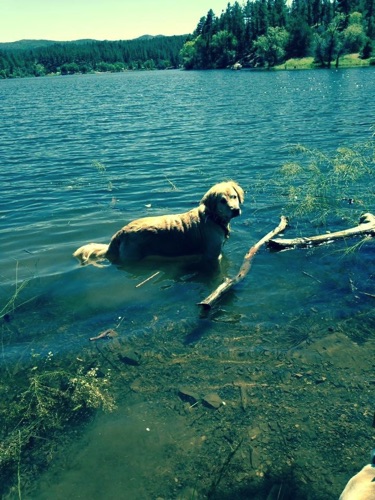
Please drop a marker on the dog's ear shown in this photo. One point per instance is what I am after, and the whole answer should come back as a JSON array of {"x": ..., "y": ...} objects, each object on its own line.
[
  {"x": 239, "y": 191},
  {"x": 210, "y": 200}
]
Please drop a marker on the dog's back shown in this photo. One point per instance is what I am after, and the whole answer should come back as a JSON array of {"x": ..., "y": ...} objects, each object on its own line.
[{"x": 190, "y": 233}]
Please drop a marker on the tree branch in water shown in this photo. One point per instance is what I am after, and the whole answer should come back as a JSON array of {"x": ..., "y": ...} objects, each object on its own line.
[
  {"x": 208, "y": 302},
  {"x": 366, "y": 227}
]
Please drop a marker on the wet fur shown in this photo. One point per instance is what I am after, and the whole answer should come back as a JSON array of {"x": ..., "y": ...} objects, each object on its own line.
[{"x": 199, "y": 232}]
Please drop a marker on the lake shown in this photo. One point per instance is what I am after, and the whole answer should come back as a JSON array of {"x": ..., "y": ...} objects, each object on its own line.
[{"x": 83, "y": 155}]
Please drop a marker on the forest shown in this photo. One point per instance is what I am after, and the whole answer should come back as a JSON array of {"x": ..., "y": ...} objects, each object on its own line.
[
  {"x": 257, "y": 33},
  {"x": 265, "y": 33},
  {"x": 39, "y": 58}
]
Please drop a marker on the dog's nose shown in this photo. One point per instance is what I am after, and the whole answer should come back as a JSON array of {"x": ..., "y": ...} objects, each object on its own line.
[{"x": 236, "y": 212}]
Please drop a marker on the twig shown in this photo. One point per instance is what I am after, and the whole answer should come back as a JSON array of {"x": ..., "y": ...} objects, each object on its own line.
[
  {"x": 311, "y": 276},
  {"x": 223, "y": 468},
  {"x": 106, "y": 358},
  {"x": 147, "y": 279},
  {"x": 171, "y": 183},
  {"x": 19, "y": 467},
  {"x": 107, "y": 334},
  {"x": 243, "y": 394},
  {"x": 244, "y": 269}
]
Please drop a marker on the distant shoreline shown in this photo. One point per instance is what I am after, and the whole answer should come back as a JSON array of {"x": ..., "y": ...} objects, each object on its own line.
[
  {"x": 346, "y": 61},
  {"x": 306, "y": 63}
]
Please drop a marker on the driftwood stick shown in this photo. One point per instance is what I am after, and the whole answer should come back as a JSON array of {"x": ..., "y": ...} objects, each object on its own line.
[
  {"x": 366, "y": 227},
  {"x": 147, "y": 279},
  {"x": 244, "y": 269}
]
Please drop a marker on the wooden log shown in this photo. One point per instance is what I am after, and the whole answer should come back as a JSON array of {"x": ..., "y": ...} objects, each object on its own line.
[
  {"x": 366, "y": 227},
  {"x": 208, "y": 302}
]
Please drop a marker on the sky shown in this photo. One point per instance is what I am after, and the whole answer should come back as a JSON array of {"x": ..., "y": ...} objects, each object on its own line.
[{"x": 65, "y": 20}]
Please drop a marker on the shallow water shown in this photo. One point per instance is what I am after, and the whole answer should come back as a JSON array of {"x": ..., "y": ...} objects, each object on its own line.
[
  {"x": 163, "y": 139},
  {"x": 83, "y": 155}
]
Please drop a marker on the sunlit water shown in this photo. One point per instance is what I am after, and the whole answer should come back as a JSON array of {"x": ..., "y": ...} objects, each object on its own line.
[
  {"x": 83, "y": 155},
  {"x": 163, "y": 138}
]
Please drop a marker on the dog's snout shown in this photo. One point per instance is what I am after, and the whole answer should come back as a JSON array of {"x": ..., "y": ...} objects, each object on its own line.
[{"x": 236, "y": 212}]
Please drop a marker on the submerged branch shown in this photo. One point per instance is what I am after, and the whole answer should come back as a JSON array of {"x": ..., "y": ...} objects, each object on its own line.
[{"x": 244, "y": 269}]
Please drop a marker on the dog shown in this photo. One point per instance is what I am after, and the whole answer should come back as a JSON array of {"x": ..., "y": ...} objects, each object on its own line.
[
  {"x": 200, "y": 232},
  {"x": 362, "y": 485}
]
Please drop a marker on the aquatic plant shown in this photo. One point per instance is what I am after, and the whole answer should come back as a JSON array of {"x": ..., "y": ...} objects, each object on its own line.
[
  {"x": 39, "y": 401},
  {"x": 10, "y": 304},
  {"x": 322, "y": 187},
  {"x": 102, "y": 169},
  {"x": 99, "y": 166},
  {"x": 90, "y": 390}
]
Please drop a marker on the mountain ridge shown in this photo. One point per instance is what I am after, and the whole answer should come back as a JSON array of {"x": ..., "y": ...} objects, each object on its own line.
[{"x": 31, "y": 44}]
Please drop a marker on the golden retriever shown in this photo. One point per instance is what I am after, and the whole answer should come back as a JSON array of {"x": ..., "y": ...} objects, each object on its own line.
[
  {"x": 199, "y": 232},
  {"x": 361, "y": 486}
]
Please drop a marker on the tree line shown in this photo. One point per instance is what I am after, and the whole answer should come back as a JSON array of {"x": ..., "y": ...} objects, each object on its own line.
[
  {"x": 268, "y": 32},
  {"x": 256, "y": 33},
  {"x": 38, "y": 59}
]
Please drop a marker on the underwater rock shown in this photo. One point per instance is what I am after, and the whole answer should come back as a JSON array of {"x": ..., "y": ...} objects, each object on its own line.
[
  {"x": 213, "y": 400},
  {"x": 130, "y": 358},
  {"x": 188, "y": 395}
]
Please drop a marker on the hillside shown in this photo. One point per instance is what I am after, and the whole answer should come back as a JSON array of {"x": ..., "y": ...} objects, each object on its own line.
[
  {"x": 43, "y": 57},
  {"x": 36, "y": 44}
]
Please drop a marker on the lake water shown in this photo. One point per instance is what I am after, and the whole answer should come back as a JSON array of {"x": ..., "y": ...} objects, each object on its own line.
[{"x": 83, "y": 155}]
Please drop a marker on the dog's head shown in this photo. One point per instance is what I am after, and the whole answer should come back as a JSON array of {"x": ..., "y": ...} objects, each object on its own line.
[{"x": 224, "y": 200}]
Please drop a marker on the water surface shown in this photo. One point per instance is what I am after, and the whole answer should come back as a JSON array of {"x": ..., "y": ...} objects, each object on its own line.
[{"x": 83, "y": 155}]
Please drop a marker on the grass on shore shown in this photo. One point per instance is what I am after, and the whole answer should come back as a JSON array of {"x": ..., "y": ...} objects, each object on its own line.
[{"x": 346, "y": 61}]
